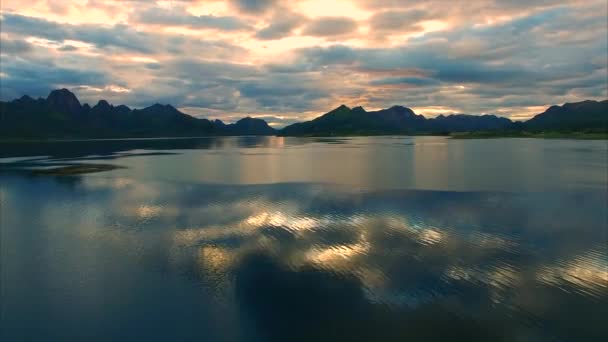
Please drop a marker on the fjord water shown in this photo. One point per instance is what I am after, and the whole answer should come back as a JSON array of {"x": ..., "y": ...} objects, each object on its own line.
[{"x": 311, "y": 239}]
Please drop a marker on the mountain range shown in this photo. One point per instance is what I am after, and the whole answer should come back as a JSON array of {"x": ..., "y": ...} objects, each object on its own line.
[
  {"x": 394, "y": 120},
  {"x": 61, "y": 115}
]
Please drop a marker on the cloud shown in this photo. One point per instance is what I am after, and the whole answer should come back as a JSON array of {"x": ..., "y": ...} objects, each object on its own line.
[
  {"x": 38, "y": 77},
  {"x": 330, "y": 26},
  {"x": 292, "y": 59},
  {"x": 178, "y": 16},
  {"x": 398, "y": 21},
  {"x": 282, "y": 92},
  {"x": 253, "y": 6},
  {"x": 415, "y": 81},
  {"x": 120, "y": 35},
  {"x": 68, "y": 48},
  {"x": 282, "y": 25},
  {"x": 15, "y": 47}
]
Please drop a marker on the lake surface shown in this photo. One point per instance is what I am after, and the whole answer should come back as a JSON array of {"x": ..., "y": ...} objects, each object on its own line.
[{"x": 306, "y": 239}]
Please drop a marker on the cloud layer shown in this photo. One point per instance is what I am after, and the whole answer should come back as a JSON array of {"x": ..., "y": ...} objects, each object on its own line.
[{"x": 292, "y": 60}]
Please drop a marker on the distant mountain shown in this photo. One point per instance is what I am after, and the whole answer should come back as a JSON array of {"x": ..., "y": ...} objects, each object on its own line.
[
  {"x": 339, "y": 121},
  {"x": 63, "y": 101},
  {"x": 394, "y": 120},
  {"x": 471, "y": 123},
  {"x": 585, "y": 115},
  {"x": 61, "y": 115},
  {"x": 250, "y": 126}
]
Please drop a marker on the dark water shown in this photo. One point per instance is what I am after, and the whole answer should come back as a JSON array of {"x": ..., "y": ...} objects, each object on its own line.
[{"x": 286, "y": 239}]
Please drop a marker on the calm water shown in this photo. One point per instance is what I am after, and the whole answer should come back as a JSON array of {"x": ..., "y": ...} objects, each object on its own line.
[{"x": 290, "y": 239}]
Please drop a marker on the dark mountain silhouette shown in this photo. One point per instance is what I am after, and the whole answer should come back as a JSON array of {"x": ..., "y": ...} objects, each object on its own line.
[
  {"x": 250, "y": 125},
  {"x": 585, "y": 115},
  {"x": 394, "y": 120},
  {"x": 398, "y": 116},
  {"x": 471, "y": 123},
  {"x": 339, "y": 121},
  {"x": 63, "y": 101},
  {"x": 61, "y": 115}
]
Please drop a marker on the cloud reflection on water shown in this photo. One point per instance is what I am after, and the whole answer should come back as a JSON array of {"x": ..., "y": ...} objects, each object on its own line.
[{"x": 385, "y": 262}]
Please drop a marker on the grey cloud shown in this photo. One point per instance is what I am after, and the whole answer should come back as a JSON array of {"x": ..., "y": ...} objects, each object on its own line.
[
  {"x": 254, "y": 6},
  {"x": 283, "y": 92},
  {"x": 190, "y": 82},
  {"x": 276, "y": 31},
  {"x": 269, "y": 96},
  {"x": 330, "y": 26},
  {"x": 68, "y": 48},
  {"x": 281, "y": 25},
  {"x": 36, "y": 78},
  {"x": 484, "y": 7},
  {"x": 196, "y": 70},
  {"x": 521, "y": 62},
  {"x": 416, "y": 81},
  {"x": 154, "y": 66},
  {"x": 335, "y": 54},
  {"x": 270, "y": 89},
  {"x": 118, "y": 36},
  {"x": 15, "y": 46},
  {"x": 399, "y": 21},
  {"x": 178, "y": 16}
]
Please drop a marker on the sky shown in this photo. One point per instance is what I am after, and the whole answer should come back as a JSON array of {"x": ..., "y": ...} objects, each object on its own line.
[{"x": 288, "y": 61}]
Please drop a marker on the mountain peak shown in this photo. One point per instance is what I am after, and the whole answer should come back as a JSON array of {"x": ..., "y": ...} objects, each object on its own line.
[
  {"x": 163, "y": 106},
  {"x": 61, "y": 93},
  {"x": 25, "y": 99},
  {"x": 250, "y": 120},
  {"x": 340, "y": 109},
  {"x": 64, "y": 100},
  {"x": 400, "y": 108},
  {"x": 160, "y": 108},
  {"x": 253, "y": 126},
  {"x": 343, "y": 106},
  {"x": 103, "y": 105}
]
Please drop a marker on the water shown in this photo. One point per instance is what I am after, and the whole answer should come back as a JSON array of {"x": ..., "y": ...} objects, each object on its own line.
[{"x": 304, "y": 239}]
